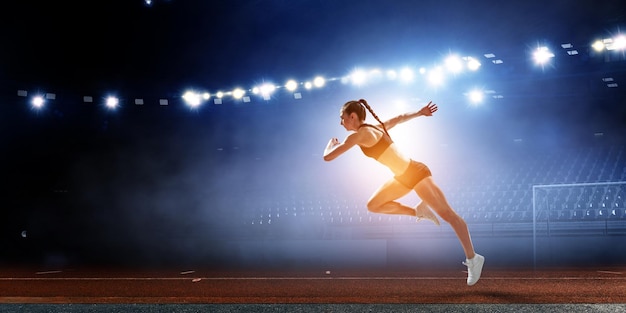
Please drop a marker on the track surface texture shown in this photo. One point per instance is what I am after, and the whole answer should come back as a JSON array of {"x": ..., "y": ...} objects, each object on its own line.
[{"x": 525, "y": 286}]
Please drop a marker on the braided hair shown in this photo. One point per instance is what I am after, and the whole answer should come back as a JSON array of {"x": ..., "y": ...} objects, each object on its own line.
[{"x": 358, "y": 107}]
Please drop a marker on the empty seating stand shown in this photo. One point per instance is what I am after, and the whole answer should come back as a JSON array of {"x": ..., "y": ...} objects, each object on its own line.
[{"x": 491, "y": 193}]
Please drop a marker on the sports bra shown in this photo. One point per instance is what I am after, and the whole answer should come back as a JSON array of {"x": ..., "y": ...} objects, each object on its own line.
[{"x": 379, "y": 147}]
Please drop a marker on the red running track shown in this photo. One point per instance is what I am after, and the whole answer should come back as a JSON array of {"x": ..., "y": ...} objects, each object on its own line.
[{"x": 597, "y": 285}]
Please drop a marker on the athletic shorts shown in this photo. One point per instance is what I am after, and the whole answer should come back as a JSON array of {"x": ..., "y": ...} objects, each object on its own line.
[{"x": 413, "y": 174}]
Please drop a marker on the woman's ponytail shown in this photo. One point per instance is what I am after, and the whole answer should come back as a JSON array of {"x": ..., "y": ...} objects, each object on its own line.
[{"x": 367, "y": 106}]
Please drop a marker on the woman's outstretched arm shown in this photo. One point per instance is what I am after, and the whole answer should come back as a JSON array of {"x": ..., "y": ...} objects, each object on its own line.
[
  {"x": 427, "y": 110},
  {"x": 334, "y": 148}
]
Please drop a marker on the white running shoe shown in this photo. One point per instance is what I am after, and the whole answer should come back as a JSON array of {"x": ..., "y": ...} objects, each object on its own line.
[
  {"x": 474, "y": 269},
  {"x": 423, "y": 212}
]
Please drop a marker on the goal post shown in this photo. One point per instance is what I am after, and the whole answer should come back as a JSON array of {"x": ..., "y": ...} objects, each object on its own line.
[{"x": 593, "y": 205}]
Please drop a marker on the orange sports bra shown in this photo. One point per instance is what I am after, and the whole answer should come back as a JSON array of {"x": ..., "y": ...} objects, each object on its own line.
[{"x": 379, "y": 147}]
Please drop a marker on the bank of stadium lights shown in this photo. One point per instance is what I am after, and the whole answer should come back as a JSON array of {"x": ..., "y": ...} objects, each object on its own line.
[
  {"x": 318, "y": 82},
  {"x": 361, "y": 77},
  {"x": 616, "y": 43},
  {"x": 39, "y": 101},
  {"x": 455, "y": 64},
  {"x": 435, "y": 76}
]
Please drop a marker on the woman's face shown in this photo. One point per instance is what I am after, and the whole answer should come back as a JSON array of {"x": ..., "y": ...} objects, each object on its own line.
[{"x": 349, "y": 121}]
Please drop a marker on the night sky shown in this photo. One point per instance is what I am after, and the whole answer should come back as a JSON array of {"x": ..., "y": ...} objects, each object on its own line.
[{"x": 155, "y": 182}]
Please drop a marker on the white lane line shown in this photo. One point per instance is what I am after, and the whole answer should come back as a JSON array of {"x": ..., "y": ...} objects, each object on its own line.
[
  {"x": 291, "y": 278},
  {"x": 187, "y": 272},
  {"x": 610, "y": 272},
  {"x": 47, "y": 272}
]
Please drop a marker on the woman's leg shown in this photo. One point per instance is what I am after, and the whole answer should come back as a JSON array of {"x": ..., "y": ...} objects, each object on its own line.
[
  {"x": 428, "y": 191},
  {"x": 434, "y": 197},
  {"x": 382, "y": 201}
]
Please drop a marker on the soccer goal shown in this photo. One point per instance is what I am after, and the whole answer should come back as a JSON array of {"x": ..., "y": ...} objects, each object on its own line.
[{"x": 578, "y": 209}]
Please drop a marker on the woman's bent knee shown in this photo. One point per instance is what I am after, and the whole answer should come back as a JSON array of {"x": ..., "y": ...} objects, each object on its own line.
[{"x": 373, "y": 207}]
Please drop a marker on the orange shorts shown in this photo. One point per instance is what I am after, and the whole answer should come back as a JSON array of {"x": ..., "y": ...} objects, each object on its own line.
[{"x": 413, "y": 174}]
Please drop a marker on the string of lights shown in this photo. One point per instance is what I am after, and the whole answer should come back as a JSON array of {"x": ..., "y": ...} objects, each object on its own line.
[{"x": 435, "y": 76}]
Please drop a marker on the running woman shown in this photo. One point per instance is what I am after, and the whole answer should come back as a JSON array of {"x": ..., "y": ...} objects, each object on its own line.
[{"x": 410, "y": 175}]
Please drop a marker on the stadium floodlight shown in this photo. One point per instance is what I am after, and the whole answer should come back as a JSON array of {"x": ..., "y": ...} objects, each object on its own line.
[
  {"x": 291, "y": 85},
  {"x": 238, "y": 93},
  {"x": 598, "y": 45},
  {"x": 476, "y": 96},
  {"x": 542, "y": 55},
  {"x": 112, "y": 102},
  {"x": 37, "y": 102},
  {"x": 319, "y": 82},
  {"x": 435, "y": 76},
  {"x": 358, "y": 77},
  {"x": 406, "y": 74},
  {"x": 206, "y": 96},
  {"x": 220, "y": 94},
  {"x": 308, "y": 85},
  {"x": 392, "y": 75},
  {"x": 192, "y": 99},
  {"x": 472, "y": 64},
  {"x": 375, "y": 73},
  {"x": 619, "y": 43},
  {"x": 267, "y": 89},
  {"x": 454, "y": 64}
]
